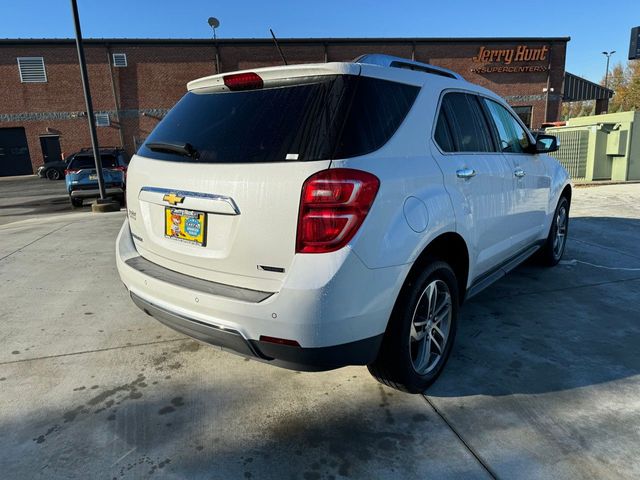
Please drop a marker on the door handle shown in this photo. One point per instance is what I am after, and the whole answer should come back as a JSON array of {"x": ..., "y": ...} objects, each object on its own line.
[
  {"x": 466, "y": 173},
  {"x": 518, "y": 172}
]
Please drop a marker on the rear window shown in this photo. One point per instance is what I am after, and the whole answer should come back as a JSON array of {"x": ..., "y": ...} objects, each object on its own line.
[
  {"x": 86, "y": 161},
  {"x": 336, "y": 117}
]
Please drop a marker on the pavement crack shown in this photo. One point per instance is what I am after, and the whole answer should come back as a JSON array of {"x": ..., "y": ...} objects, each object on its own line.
[
  {"x": 485, "y": 465},
  {"x": 36, "y": 240},
  {"x": 83, "y": 352}
]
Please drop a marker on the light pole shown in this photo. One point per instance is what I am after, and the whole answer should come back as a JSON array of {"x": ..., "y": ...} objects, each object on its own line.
[
  {"x": 606, "y": 81},
  {"x": 606, "y": 75},
  {"x": 215, "y": 23},
  {"x": 87, "y": 98}
]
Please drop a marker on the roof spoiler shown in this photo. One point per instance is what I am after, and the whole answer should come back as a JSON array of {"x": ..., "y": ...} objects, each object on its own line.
[{"x": 399, "y": 62}]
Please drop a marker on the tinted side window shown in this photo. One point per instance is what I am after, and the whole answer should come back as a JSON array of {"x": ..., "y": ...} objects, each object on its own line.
[
  {"x": 513, "y": 138},
  {"x": 443, "y": 134},
  {"x": 377, "y": 110},
  {"x": 467, "y": 122}
]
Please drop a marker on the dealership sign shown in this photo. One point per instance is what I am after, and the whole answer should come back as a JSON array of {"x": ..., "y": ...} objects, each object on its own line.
[{"x": 502, "y": 60}]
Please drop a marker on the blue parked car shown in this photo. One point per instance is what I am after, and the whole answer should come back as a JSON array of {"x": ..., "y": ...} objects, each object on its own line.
[{"x": 82, "y": 179}]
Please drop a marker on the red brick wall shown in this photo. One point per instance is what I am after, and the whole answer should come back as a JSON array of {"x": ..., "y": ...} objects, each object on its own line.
[{"x": 156, "y": 78}]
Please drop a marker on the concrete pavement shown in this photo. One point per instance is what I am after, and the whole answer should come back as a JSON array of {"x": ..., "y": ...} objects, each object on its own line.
[
  {"x": 30, "y": 196},
  {"x": 543, "y": 383}
]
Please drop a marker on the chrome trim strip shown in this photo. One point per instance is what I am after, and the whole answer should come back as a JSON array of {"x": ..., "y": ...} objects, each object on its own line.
[{"x": 186, "y": 193}]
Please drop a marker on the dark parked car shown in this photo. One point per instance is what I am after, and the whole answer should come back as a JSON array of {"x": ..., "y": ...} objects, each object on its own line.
[{"x": 54, "y": 170}]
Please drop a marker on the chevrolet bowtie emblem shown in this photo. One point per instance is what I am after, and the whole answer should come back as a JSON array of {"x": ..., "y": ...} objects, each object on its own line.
[{"x": 173, "y": 199}]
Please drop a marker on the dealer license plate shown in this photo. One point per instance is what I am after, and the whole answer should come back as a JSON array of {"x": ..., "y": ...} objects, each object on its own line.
[{"x": 185, "y": 225}]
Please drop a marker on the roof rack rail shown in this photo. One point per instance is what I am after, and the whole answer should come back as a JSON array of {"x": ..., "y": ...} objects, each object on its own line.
[{"x": 399, "y": 62}]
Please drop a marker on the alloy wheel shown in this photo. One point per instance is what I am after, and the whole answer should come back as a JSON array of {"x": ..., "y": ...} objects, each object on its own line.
[
  {"x": 430, "y": 327},
  {"x": 560, "y": 237}
]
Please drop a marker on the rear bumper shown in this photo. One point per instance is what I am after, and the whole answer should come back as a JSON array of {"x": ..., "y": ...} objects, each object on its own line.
[
  {"x": 335, "y": 308},
  {"x": 298, "y": 358},
  {"x": 91, "y": 193}
]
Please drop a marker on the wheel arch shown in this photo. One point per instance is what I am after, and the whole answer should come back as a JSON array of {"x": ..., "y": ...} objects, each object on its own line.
[
  {"x": 566, "y": 192},
  {"x": 451, "y": 248}
]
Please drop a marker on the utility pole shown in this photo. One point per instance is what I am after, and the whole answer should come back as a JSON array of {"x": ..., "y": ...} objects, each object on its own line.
[{"x": 89, "y": 104}]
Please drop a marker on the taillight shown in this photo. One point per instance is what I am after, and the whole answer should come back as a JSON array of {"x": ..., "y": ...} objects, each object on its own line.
[
  {"x": 68, "y": 171},
  {"x": 243, "y": 81},
  {"x": 333, "y": 205}
]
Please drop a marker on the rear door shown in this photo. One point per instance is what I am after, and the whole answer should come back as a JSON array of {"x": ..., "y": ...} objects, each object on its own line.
[
  {"x": 51, "y": 151},
  {"x": 477, "y": 177},
  {"x": 530, "y": 181}
]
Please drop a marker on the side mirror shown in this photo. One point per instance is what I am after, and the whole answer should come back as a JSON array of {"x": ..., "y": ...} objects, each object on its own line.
[{"x": 546, "y": 143}]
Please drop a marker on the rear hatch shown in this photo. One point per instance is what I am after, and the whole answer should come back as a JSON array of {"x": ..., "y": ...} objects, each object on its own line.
[{"x": 214, "y": 191}]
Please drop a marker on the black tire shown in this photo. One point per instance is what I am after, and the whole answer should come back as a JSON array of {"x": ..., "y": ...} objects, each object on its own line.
[
  {"x": 551, "y": 253},
  {"x": 76, "y": 202},
  {"x": 53, "y": 174},
  {"x": 395, "y": 364}
]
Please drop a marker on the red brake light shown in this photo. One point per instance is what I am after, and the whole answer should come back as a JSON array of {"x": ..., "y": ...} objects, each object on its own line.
[
  {"x": 70, "y": 170},
  {"x": 333, "y": 205},
  {"x": 243, "y": 81}
]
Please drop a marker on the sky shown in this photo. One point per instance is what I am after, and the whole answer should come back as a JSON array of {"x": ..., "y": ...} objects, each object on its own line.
[{"x": 594, "y": 26}]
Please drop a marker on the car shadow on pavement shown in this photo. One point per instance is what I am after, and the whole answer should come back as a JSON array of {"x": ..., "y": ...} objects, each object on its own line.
[
  {"x": 542, "y": 329},
  {"x": 231, "y": 426}
]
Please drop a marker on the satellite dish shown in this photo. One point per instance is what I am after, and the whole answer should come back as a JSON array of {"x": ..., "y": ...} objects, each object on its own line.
[{"x": 214, "y": 22}]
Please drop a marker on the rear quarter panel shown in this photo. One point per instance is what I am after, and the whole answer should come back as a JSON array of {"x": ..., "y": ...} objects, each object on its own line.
[{"x": 406, "y": 169}]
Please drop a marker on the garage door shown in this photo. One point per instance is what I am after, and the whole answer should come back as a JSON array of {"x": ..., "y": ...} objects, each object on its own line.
[{"x": 14, "y": 153}]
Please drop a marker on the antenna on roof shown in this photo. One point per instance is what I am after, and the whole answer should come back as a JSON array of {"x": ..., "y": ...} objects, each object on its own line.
[{"x": 275, "y": 40}]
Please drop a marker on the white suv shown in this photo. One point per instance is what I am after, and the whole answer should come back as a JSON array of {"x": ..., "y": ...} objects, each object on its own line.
[{"x": 317, "y": 216}]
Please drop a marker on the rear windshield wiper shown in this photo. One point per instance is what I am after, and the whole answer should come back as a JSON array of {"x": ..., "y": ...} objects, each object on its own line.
[{"x": 185, "y": 149}]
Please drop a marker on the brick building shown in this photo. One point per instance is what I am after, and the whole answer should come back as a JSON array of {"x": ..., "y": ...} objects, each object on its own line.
[{"x": 135, "y": 81}]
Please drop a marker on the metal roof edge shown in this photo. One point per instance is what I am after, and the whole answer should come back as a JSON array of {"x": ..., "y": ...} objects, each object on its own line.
[{"x": 222, "y": 41}]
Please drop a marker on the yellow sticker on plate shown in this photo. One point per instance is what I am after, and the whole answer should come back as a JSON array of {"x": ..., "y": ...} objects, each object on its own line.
[{"x": 185, "y": 225}]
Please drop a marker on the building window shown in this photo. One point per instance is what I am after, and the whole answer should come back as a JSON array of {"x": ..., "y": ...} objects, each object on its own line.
[
  {"x": 119, "y": 59},
  {"x": 32, "y": 70},
  {"x": 102, "y": 120},
  {"x": 525, "y": 114}
]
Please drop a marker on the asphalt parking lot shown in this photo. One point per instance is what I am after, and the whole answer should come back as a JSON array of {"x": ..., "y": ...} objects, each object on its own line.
[{"x": 544, "y": 381}]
